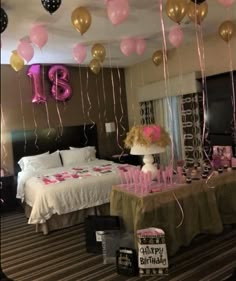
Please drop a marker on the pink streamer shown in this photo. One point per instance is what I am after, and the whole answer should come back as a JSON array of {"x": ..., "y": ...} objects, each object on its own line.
[
  {"x": 89, "y": 101},
  {"x": 22, "y": 110},
  {"x": 35, "y": 123},
  {"x": 114, "y": 102},
  {"x": 233, "y": 90},
  {"x": 99, "y": 108},
  {"x": 104, "y": 97},
  {"x": 82, "y": 101},
  {"x": 121, "y": 105},
  {"x": 58, "y": 111},
  {"x": 46, "y": 105},
  {"x": 166, "y": 75},
  {"x": 3, "y": 143},
  {"x": 201, "y": 56}
]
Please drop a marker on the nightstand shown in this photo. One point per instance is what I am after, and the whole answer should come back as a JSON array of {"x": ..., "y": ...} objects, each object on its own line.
[
  {"x": 7, "y": 193},
  {"x": 126, "y": 159}
]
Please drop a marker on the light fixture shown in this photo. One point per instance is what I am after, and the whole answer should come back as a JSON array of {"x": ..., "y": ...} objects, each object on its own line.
[
  {"x": 147, "y": 140},
  {"x": 110, "y": 127}
]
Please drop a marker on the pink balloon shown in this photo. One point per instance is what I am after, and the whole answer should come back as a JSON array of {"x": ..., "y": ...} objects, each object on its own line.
[
  {"x": 176, "y": 36},
  {"x": 38, "y": 35},
  {"x": 127, "y": 46},
  {"x": 117, "y": 10},
  {"x": 25, "y": 50},
  {"x": 34, "y": 73},
  {"x": 140, "y": 46},
  {"x": 226, "y": 3},
  {"x": 79, "y": 53},
  {"x": 59, "y": 75}
]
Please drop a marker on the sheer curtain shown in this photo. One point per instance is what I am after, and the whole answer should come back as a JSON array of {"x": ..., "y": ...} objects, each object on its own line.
[{"x": 167, "y": 113}]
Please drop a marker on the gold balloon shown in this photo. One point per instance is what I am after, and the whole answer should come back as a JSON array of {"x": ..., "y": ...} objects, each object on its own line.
[
  {"x": 226, "y": 30},
  {"x": 197, "y": 13},
  {"x": 157, "y": 57},
  {"x": 95, "y": 66},
  {"x": 176, "y": 9},
  {"x": 81, "y": 19},
  {"x": 98, "y": 52},
  {"x": 16, "y": 61}
]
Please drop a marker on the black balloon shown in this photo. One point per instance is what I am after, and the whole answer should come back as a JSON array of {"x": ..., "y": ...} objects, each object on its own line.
[
  {"x": 3, "y": 20},
  {"x": 51, "y": 5},
  {"x": 198, "y": 1}
]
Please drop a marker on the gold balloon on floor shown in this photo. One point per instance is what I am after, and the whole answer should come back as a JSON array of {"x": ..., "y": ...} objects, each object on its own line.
[
  {"x": 176, "y": 9},
  {"x": 197, "y": 13},
  {"x": 226, "y": 30},
  {"x": 81, "y": 19},
  {"x": 98, "y": 52},
  {"x": 16, "y": 61},
  {"x": 95, "y": 66},
  {"x": 157, "y": 57}
]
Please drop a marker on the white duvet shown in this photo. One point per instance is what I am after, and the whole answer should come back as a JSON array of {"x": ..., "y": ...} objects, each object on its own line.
[{"x": 67, "y": 196}]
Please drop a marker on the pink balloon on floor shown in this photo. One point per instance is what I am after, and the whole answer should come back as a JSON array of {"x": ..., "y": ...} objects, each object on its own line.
[
  {"x": 176, "y": 36},
  {"x": 25, "y": 50},
  {"x": 226, "y": 3},
  {"x": 79, "y": 53},
  {"x": 127, "y": 46},
  {"x": 38, "y": 35},
  {"x": 117, "y": 10},
  {"x": 140, "y": 46}
]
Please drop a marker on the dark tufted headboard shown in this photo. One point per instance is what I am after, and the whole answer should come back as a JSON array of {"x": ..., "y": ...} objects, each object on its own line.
[{"x": 31, "y": 142}]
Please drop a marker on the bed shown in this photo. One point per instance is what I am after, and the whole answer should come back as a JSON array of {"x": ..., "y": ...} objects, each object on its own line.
[{"x": 56, "y": 196}]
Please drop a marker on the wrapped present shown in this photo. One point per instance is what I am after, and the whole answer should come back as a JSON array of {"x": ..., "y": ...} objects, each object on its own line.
[
  {"x": 94, "y": 227},
  {"x": 110, "y": 245},
  {"x": 152, "y": 252},
  {"x": 127, "y": 262}
]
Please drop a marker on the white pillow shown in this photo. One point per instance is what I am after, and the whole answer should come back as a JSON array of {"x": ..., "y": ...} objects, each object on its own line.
[
  {"x": 90, "y": 149},
  {"x": 24, "y": 162},
  {"x": 73, "y": 158},
  {"x": 47, "y": 161}
]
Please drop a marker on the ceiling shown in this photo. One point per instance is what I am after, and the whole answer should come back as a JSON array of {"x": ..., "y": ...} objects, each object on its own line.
[{"x": 144, "y": 21}]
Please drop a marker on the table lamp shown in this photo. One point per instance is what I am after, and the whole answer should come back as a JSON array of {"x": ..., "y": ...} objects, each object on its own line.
[{"x": 147, "y": 140}]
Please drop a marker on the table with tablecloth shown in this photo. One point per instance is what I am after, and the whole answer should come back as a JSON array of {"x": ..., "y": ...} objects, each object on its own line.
[{"x": 183, "y": 211}]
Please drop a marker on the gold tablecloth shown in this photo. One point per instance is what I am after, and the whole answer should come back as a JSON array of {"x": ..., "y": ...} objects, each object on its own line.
[{"x": 206, "y": 208}]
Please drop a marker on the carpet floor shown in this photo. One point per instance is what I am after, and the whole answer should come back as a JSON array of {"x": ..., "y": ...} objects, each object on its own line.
[{"x": 62, "y": 256}]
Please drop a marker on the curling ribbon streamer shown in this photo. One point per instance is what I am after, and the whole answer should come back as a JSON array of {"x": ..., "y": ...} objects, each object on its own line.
[
  {"x": 82, "y": 101},
  {"x": 233, "y": 91},
  {"x": 35, "y": 128},
  {"x": 99, "y": 107},
  {"x": 58, "y": 111},
  {"x": 89, "y": 101},
  {"x": 46, "y": 106},
  {"x": 166, "y": 75},
  {"x": 114, "y": 101},
  {"x": 181, "y": 210},
  {"x": 121, "y": 105},
  {"x": 201, "y": 57},
  {"x": 35, "y": 123},
  {"x": 3, "y": 146},
  {"x": 22, "y": 111},
  {"x": 104, "y": 97}
]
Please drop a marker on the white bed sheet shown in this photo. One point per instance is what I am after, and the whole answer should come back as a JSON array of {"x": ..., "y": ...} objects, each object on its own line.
[{"x": 67, "y": 196}]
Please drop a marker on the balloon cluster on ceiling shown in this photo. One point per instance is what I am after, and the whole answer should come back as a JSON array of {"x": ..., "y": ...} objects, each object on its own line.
[{"x": 117, "y": 12}]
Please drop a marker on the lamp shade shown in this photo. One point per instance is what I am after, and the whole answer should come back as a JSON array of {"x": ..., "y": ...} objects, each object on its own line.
[{"x": 138, "y": 149}]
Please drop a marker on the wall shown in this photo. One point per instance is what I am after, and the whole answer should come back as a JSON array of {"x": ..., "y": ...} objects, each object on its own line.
[
  {"x": 180, "y": 61},
  {"x": 16, "y": 87}
]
